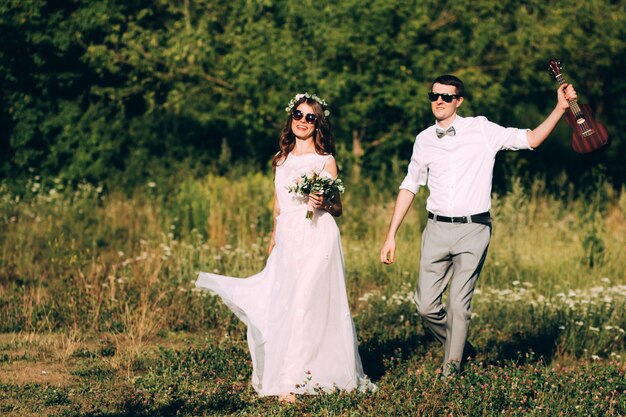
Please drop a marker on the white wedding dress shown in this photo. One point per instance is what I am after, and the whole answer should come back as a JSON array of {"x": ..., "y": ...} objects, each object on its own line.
[{"x": 300, "y": 332}]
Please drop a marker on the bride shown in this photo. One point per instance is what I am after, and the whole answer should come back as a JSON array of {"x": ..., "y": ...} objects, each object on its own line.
[{"x": 300, "y": 332}]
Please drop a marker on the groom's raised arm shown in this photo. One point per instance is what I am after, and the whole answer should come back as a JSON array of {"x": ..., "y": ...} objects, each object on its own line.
[
  {"x": 540, "y": 133},
  {"x": 403, "y": 203}
]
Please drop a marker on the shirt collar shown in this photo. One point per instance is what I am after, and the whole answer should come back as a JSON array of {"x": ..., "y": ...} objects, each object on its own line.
[{"x": 455, "y": 123}]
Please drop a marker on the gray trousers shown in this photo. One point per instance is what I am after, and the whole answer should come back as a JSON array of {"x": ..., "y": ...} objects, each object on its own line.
[{"x": 452, "y": 255}]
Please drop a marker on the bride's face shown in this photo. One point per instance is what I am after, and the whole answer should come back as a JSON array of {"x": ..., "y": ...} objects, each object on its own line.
[{"x": 305, "y": 126}]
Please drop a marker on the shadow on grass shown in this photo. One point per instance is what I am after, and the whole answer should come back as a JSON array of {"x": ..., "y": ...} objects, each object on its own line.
[
  {"x": 523, "y": 347},
  {"x": 375, "y": 352}
]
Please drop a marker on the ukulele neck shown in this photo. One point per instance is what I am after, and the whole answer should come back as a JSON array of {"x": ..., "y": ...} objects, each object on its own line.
[{"x": 573, "y": 104}]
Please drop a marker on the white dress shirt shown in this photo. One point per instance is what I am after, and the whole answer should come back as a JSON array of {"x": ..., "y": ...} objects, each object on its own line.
[{"x": 459, "y": 169}]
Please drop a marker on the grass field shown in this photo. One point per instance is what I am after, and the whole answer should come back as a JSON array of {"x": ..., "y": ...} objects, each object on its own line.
[{"x": 99, "y": 315}]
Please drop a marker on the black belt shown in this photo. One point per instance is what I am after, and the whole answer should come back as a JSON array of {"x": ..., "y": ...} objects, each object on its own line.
[{"x": 482, "y": 218}]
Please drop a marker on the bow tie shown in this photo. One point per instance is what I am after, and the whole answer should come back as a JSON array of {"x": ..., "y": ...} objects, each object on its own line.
[{"x": 441, "y": 133}]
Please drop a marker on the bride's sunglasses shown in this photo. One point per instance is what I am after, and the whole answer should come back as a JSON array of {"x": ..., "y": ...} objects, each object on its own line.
[
  {"x": 444, "y": 96},
  {"x": 298, "y": 115}
]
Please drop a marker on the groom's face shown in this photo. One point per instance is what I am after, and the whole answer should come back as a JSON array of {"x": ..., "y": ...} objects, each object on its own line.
[{"x": 442, "y": 110}]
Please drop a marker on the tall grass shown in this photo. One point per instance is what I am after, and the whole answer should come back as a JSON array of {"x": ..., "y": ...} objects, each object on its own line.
[
  {"x": 124, "y": 265},
  {"x": 99, "y": 286}
]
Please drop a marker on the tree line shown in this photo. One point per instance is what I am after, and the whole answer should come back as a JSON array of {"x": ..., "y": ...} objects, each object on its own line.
[{"x": 123, "y": 91}]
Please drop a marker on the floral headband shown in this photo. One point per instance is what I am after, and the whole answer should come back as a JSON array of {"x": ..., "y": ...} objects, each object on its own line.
[{"x": 298, "y": 97}]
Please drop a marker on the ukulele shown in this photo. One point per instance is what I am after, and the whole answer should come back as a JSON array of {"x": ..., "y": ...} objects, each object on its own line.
[{"x": 588, "y": 135}]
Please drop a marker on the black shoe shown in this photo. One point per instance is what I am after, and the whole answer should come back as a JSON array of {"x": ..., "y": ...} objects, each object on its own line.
[{"x": 469, "y": 352}]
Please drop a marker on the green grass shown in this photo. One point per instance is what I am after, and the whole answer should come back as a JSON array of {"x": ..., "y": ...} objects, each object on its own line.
[{"x": 99, "y": 315}]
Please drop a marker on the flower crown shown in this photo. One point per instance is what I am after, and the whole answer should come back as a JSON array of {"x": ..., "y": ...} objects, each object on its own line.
[{"x": 298, "y": 97}]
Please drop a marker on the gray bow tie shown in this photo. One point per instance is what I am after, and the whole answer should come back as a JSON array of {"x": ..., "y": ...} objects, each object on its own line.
[{"x": 450, "y": 131}]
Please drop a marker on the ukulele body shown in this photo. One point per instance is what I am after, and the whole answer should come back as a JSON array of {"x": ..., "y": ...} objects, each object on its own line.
[{"x": 587, "y": 134}]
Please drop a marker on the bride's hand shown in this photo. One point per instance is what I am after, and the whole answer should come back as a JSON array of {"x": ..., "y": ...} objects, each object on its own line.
[{"x": 316, "y": 200}]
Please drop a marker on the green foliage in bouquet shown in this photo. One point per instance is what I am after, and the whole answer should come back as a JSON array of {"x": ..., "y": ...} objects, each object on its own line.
[{"x": 313, "y": 183}]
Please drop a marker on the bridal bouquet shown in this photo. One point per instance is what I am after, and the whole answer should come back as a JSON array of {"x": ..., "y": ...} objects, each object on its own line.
[{"x": 313, "y": 183}]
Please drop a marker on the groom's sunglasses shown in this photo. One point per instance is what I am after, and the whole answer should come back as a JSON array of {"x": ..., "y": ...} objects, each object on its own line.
[
  {"x": 298, "y": 115},
  {"x": 444, "y": 96}
]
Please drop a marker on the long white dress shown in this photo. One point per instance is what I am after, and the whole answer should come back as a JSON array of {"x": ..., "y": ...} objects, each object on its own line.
[{"x": 300, "y": 332}]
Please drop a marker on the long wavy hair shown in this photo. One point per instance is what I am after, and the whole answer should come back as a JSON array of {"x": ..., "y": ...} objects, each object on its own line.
[{"x": 322, "y": 136}]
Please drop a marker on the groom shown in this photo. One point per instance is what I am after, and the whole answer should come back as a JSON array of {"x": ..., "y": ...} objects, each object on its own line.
[{"x": 455, "y": 158}]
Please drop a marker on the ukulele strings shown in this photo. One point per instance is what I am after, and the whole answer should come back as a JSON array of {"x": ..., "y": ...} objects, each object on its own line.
[{"x": 578, "y": 114}]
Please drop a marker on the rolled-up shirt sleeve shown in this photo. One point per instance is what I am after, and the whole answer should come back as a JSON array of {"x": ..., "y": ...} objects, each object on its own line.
[
  {"x": 417, "y": 173},
  {"x": 505, "y": 138}
]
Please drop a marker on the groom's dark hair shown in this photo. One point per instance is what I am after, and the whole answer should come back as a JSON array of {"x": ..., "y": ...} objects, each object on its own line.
[{"x": 451, "y": 80}]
